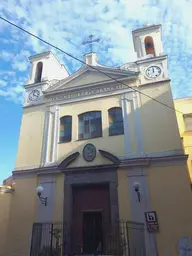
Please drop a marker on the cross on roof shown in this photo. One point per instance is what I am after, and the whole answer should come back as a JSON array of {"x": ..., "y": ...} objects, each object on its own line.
[{"x": 90, "y": 42}]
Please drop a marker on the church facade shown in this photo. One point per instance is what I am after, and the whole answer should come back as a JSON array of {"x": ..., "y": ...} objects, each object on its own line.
[{"x": 103, "y": 151}]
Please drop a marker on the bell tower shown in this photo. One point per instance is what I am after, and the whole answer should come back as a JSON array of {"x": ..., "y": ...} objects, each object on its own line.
[
  {"x": 148, "y": 41},
  {"x": 45, "y": 71},
  {"x": 151, "y": 60}
]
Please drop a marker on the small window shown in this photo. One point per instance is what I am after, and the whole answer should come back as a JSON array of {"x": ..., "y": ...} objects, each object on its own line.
[
  {"x": 65, "y": 128},
  {"x": 188, "y": 122},
  {"x": 90, "y": 125},
  {"x": 38, "y": 74},
  {"x": 149, "y": 46},
  {"x": 115, "y": 121}
]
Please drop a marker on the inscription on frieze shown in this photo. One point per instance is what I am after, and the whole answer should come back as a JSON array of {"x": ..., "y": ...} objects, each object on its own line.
[{"x": 83, "y": 93}]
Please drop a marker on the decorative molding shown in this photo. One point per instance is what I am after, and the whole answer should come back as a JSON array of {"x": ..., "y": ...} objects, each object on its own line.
[
  {"x": 50, "y": 139},
  {"x": 152, "y": 59},
  {"x": 37, "y": 85},
  {"x": 131, "y": 155},
  {"x": 172, "y": 160},
  {"x": 155, "y": 82},
  {"x": 55, "y": 133},
  {"x": 126, "y": 110},
  {"x": 136, "y": 116},
  {"x": 89, "y": 97},
  {"x": 6, "y": 189},
  {"x": 83, "y": 92},
  {"x": 68, "y": 160},
  {"x": 110, "y": 156},
  {"x": 135, "y": 162},
  {"x": 45, "y": 138},
  {"x": 93, "y": 168},
  {"x": 85, "y": 69}
]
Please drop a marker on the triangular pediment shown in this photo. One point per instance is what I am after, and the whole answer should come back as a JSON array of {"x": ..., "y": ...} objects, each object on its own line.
[{"x": 86, "y": 75}]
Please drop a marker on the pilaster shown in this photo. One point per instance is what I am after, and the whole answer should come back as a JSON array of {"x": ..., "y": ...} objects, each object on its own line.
[{"x": 50, "y": 138}]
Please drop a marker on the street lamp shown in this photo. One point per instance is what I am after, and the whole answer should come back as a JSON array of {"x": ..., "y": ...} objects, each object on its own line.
[
  {"x": 39, "y": 191},
  {"x": 136, "y": 186}
]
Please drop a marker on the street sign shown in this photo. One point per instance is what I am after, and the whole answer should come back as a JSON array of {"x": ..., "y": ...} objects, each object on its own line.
[{"x": 151, "y": 221}]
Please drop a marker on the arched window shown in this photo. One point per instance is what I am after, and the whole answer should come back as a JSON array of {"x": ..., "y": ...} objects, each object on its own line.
[
  {"x": 65, "y": 128},
  {"x": 115, "y": 121},
  {"x": 149, "y": 45},
  {"x": 39, "y": 70},
  {"x": 90, "y": 125}
]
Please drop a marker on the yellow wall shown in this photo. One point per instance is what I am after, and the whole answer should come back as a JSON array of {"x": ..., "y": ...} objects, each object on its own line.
[
  {"x": 158, "y": 127},
  {"x": 89, "y": 77},
  {"x": 59, "y": 198},
  {"x": 170, "y": 196},
  {"x": 31, "y": 136},
  {"x": 5, "y": 202},
  {"x": 124, "y": 203},
  {"x": 22, "y": 217},
  {"x": 158, "y": 122},
  {"x": 113, "y": 144},
  {"x": 185, "y": 106}
]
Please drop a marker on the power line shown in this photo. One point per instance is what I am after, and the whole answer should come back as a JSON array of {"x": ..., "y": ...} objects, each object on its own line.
[{"x": 70, "y": 55}]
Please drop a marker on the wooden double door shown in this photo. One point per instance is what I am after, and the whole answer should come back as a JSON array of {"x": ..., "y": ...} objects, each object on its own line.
[{"x": 91, "y": 218}]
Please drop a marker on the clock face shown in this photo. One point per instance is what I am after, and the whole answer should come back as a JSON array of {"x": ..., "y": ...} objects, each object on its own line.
[
  {"x": 34, "y": 95},
  {"x": 89, "y": 152},
  {"x": 153, "y": 71}
]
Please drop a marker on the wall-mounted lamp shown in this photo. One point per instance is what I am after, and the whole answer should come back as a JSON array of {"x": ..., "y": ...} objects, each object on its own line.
[
  {"x": 136, "y": 186},
  {"x": 39, "y": 191}
]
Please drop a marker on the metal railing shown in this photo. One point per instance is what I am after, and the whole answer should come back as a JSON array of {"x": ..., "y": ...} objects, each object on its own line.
[
  {"x": 126, "y": 238},
  {"x": 47, "y": 239}
]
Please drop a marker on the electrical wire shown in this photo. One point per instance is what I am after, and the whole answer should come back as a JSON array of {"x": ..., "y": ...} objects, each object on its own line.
[{"x": 92, "y": 67}]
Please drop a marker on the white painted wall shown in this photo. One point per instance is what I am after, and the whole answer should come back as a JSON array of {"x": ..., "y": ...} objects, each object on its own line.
[
  {"x": 52, "y": 69},
  {"x": 139, "y": 37}
]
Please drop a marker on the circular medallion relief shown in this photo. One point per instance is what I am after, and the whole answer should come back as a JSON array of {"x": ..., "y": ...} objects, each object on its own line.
[{"x": 89, "y": 152}]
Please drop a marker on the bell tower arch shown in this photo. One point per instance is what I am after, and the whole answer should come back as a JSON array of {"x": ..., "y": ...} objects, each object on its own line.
[{"x": 148, "y": 41}]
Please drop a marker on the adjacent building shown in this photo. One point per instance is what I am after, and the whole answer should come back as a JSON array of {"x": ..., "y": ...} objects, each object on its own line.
[
  {"x": 108, "y": 156},
  {"x": 184, "y": 119}
]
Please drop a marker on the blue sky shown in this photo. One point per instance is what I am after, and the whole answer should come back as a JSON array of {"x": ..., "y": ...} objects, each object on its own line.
[{"x": 66, "y": 23}]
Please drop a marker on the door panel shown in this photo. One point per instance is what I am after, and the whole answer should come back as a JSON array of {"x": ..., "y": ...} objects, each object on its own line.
[
  {"x": 92, "y": 232},
  {"x": 93, "y": 198}
]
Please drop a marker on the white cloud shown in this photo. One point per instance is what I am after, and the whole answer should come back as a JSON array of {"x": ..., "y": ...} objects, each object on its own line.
[
  {"x": 20, "y": 61},
  {"x": 3, "y": 82},
  {"x": 6, "y": 55},
  {"x": 12, "y": 95},
  {"x": 66, "y": 24}
]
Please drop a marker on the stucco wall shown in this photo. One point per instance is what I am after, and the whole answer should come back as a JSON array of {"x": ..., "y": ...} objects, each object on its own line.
[
  {"x": 31, "y": 136},
  {"x": 159, "y": 125},
  {"x": 185, "y": 106},
  {"x": 52, "y": 69},
  {"x": 123, "y": 191},
  {"x": 5, "y": 204},
  {"x": 113, "y": 144},
  {"x": 168, "y": 193},
  {"x": 59, "y": 198},
  {"x": 89, "y": 77},
  {"x": 170, "y": 196},
  {"x": 22, "y": 217}
]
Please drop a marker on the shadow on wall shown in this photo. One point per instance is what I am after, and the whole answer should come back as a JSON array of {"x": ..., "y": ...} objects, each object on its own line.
[{"x": 157, "y": 124}]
